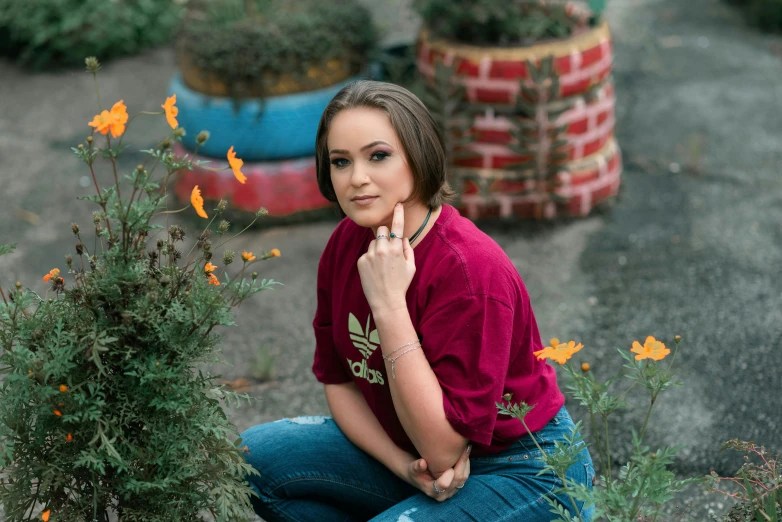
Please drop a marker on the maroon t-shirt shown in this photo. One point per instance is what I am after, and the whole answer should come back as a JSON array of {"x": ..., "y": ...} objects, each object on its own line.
[{"x": 473, "y": 316}]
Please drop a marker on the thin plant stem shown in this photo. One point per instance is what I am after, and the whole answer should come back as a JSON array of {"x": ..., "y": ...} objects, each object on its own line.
[
  {"x": 97, "y": 91},
  {"x": 607, "y": 446},
  {"x": 562, "y": 478},
  {"x": 648, "y": 414},
  {"x": 598, "y": 441},
  {"x": 637, "y": 500}
]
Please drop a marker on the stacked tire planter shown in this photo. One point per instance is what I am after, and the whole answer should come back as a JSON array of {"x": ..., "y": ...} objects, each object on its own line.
[
  {"x": 492, "y": 78},
  {"x": 273, "y": 135}
]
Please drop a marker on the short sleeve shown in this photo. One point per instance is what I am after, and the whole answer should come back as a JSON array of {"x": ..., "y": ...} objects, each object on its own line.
[
  {"x": 468, "y": 344},
  {"x": 326, "y": 365}
]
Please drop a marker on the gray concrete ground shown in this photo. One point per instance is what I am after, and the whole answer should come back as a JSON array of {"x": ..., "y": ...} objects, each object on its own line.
[{"x": 693, "y": 247}]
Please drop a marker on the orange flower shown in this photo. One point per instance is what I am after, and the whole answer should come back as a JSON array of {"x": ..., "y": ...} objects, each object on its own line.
[
  {"x": 213, "y": 280},
  {"x": 58, "y": 413},
  {"x": 113, "y": 120},
  {"x": 275, "y": 252},
  {"x": 585, "y": 367},
  {"x": 652, "y": 349},
  {"x": 63, "y": 388},
  {"x": 236, "y": 165},
  {"x": 198, "y": 202},
  {"x": 53, "y": 273},
  {"x": 209, "y": 268},
  {"x": 69, "y": 438},
  {"x": 248, "y": 256},
  {"x": 558, "y": 352},
  {"x": 45, "y": 515},
  {"x": 171, "y": 111}
]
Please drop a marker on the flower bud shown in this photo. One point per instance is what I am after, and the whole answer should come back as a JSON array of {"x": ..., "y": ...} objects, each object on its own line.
[
  {"x": 508, "y": 396},
  {"x": 75, "y": 229},
  {"x": 179, "y": 132},
  {"x": 140, "y": 167},
  {"x": 18, "y": 284},
  {"x": 79, "y": 249},
  {"x": 223, "y": 226},
  {"x": 254, "y": 275},
  {"x": 160, "y": 244},
  {"x": 80, "y": 146},
  {"x": 68, "y": 260},
  {"x": 207, "y": 246},
  {"x": 165, "y": 144},
  {"x": 63, "y": 388},
  {"x": 92, "y": 64},
  {"x": 165, "y": 280},
  {"x": 89, "y": 139},
  {"x": 202, "y": 137},
  {"x": 262, "y": 212},
  {"x": 221, "y": 206},
  {"x": 95, "y": 218},
  {"x": 228, "y": 257},
  {"x": 207, "y": 256},
  {"x": 585, "y": 367},
  {"x": 98, "y": 228},
  {"x": 677, "y": 339}
]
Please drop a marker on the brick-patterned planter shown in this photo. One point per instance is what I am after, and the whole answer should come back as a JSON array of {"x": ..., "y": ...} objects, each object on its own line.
[
  {"x": 284, "y": 188},
  {"x": 487, "y": 181},
  {"x": 590, "y": 125},
  {"x": 500, "y": 193},
  {"x": 492, "y": 74}
]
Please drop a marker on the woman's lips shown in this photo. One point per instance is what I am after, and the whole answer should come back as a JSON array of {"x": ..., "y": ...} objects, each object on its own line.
[{"x": 364, "y": 201}]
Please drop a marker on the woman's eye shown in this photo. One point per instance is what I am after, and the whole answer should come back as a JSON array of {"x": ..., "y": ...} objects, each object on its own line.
[
  {"x": 378, "y": 156},
  {"x": 340, "y": 162}
]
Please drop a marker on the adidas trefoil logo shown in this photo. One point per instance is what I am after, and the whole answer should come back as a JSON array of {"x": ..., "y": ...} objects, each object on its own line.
[{"x": 366, "y": 341}]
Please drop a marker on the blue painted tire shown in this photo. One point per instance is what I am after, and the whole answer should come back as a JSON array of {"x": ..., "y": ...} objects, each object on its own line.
[{"x": 286, "y": 127}]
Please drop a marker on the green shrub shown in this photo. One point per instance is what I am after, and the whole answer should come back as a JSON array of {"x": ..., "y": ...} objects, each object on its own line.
[
  {"x": 105, "y": 411},
  {"x": 506, "y": 22},
  {"x": 255, "y": 41},
  {"x": 46, "y": 33}
]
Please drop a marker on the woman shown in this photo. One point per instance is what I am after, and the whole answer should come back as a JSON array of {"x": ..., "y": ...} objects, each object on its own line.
[{"x": 422, "y": 325}]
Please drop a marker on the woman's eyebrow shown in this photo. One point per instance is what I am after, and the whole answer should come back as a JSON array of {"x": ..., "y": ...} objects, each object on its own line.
[{"x": 365, "y": 147}]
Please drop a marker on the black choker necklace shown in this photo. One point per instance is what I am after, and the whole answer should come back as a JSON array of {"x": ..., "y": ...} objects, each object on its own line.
[{"x": 421, "y": 228}]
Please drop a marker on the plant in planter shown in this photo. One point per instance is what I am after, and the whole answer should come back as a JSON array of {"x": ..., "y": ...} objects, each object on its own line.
[
  {"x": 498, "y": 50},
  {"x": 104, "y": 411},
  {"x": 41, "y": 34},
  {"x": 261, "y": 72}
]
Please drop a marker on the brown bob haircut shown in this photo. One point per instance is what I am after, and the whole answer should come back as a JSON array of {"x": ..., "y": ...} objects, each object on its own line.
[{"x": 418, "y": 133}]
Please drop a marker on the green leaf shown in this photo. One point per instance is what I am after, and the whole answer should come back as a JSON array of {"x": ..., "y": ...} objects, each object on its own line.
[{"x": 7, "y": 249}]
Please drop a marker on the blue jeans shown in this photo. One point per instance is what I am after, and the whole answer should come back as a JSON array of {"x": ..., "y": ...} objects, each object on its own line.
[{"x": 310, "y": 472}]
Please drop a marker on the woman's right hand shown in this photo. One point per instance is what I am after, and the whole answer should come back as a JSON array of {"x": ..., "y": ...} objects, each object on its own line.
[{"x": 449, "y": 481}]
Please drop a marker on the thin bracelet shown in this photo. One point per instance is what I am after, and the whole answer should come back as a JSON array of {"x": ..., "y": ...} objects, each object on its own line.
[
  {"x": 393, "y": 368},
  {"x": 385, "y": 357}
]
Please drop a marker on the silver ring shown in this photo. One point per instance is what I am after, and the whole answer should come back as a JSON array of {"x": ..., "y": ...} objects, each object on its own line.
[
  {"x": 382, "y": 236},
  {"x": 436, "y": 489}
]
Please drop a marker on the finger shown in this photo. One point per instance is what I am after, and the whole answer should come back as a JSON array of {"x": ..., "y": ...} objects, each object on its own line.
[
  {"x": 398, "y": 222},
  {"x": 407, "y": 250},
  {"x": 419, "y": 466},
  {"x": 382, "y": 233},
  {"x": 445, "y": 480}
]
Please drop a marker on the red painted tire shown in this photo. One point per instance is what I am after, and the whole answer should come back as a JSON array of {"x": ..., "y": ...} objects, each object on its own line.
[
  {"x": 284, "y": 188},
  {"x": 590, "y": 125},
  {"x": 498, "y": 193},
  {"x": 493, "y": 74}
]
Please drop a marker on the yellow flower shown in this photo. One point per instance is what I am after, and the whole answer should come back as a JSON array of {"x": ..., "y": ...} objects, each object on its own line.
[
  {"x": 558, "y": 352},
  {"x": 45, "y": 515},
  {"x": 113, "y": 120},
  {"x": 213, "y": 280},
  {"x": 209, "y": 268},
  {"x": 652, "y": 349},
  {"x": 171, "y": 111},
  {"x": 275, "y": 252},
  {"x": 247, "y": 256},
  {"x": 53, "y": 273},
  {"x": 236, "y": 165},
  {"x": 198, "y": 202}
]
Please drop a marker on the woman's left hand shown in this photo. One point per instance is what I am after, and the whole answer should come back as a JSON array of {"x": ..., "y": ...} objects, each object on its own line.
[{"x": 388, "y": 267}]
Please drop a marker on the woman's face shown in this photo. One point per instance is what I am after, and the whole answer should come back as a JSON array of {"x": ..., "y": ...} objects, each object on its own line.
[{"x": 369, "y": 170}]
